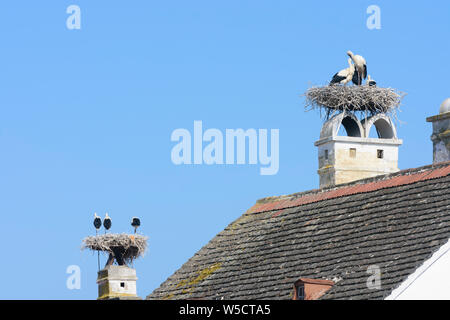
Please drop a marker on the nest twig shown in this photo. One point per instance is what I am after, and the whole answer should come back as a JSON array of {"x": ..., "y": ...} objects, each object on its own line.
[
  {"x": 336, "y": 98},
  {"x": 131, "y": 246}
]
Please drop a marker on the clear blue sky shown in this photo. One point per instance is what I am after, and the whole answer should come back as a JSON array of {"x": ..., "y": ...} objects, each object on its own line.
[{"x": 86, "y": 117}]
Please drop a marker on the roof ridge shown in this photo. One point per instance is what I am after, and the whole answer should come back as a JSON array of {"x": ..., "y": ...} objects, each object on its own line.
[
  {"x": 264, "y": 251},
  {"x": 375, "y": 183}
]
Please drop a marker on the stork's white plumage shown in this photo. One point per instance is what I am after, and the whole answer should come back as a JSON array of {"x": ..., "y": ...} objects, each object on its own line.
[
  {"x": 344, "y": 76},
  {"x": 360, "y": 68},
  {"x": 370, "y": 82}
]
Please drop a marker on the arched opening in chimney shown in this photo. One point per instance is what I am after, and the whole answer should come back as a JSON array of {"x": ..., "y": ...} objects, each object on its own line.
[
  {"x": 349, "y": 127},
  {"x": 381, "y": 129}
]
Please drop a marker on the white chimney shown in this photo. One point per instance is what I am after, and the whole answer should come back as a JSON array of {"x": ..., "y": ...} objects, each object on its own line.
[
  {"x": 117, "y": 282},
  {"x": 356, "y": 156}
]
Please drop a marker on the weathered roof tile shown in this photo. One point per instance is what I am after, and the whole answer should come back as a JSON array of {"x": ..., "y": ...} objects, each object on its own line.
[{"x": 395, "y": 222}]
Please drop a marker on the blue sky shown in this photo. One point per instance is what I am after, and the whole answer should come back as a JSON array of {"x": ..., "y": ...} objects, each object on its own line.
[{"x": 86, "y": 117}]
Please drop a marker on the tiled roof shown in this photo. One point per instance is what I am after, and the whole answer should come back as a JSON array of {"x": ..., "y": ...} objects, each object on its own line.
[{"x": 394, "y": 222}]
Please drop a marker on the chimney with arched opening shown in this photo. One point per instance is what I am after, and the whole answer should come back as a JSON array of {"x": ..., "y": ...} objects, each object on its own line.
[{"x": 356, "y": 155}]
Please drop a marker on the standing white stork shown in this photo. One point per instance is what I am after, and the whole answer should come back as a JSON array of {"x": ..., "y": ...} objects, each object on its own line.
[
  {"x": 135, "y": 223},
  {"x": 344, "y": 76},
  {"x": 360, "y": 66},
  {"x": 97, "y": 222},
  {"x": 97, "y": 225},
  {"x": 107, "y": 222}
]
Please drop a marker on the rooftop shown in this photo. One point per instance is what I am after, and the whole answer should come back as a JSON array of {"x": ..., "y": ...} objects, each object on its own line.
[{"x": 394, "y": 221}]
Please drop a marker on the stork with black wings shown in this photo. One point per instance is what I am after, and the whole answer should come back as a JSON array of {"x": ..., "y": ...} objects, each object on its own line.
[
  {"x": 97, "y": 225},
  {"x": 97, "y": 222},
  {"x": 107, "y": 222},
  {"x": 370, "y": 82},
  {"x": 135, "y": 223},
  {"x": 344, "y": 76}
]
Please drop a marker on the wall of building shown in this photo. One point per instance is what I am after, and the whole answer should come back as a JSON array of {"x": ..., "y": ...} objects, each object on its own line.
[{"x": 429, "y": 281}]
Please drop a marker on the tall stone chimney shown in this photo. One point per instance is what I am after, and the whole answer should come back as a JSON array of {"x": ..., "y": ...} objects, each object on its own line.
[
  {"x": 356, "y": 156},
  {"x": 441, "y": 133}
]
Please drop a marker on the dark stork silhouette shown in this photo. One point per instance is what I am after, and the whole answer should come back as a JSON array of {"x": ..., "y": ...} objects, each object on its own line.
[
  {"x": 97, "y": 225},
  {"x": 107, "y": 222},
  {"x": 135, "y": 223},
  {"x": 97, "y": 222}
]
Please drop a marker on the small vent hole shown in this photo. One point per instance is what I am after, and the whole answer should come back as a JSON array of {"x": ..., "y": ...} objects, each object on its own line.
[{"x": 380, "y": 154}]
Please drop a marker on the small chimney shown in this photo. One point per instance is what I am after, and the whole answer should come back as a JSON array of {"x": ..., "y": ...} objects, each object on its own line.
[
  {"x": 356, "y": 156},
  {"x": 117, "y": 282},
  {"x": 441, "y": 133}
]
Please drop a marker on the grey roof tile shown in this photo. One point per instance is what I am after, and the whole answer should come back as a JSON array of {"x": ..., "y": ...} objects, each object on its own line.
[{"x": 261, "y": 254}]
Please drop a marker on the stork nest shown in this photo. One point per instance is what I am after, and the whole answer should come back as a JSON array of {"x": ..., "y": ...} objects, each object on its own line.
[
  {"x": 353, "y": 98},
  {"x": 131, "y": 246}
]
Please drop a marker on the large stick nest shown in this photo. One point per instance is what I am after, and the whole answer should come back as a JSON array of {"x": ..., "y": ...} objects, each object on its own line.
[
  {"x": 353, "y": 98},
  {"x": 132, "y": 246}
]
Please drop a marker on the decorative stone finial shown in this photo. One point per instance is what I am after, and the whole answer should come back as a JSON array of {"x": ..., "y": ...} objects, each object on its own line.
[{"x": 445, "y": 106}]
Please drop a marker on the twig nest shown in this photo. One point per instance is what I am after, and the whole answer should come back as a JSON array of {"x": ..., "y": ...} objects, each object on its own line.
[
  {"x": 132, "y": 246},
  {"x": 354, "y": 98}
]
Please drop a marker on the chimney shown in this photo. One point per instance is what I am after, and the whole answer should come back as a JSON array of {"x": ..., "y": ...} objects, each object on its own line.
[
  {"x": 356, "y": 156},
  {"x": 117, "y": 280},
  {"x": 117, "y": 283},
  {"x": 441, "y": 133}
]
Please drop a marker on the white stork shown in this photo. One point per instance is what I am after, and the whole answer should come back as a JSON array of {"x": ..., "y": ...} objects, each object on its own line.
[
  {"x": 370, "y": 82},
  {"x": 97, "y": 225},
  {"x": 344, "y": 76},
  {"x": 135, "y": 223},
  {"x": 97, "y": 222},
  {"x": 360, "y": 66},
  {"x": 107, "y": 222}
]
